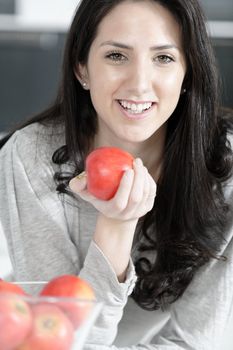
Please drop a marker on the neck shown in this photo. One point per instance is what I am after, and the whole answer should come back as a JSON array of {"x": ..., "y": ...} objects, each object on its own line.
[{"x": 150, "y": 151}]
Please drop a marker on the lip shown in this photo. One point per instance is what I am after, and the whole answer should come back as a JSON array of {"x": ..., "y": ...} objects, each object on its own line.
[
  {"x": 140, "y": 116},
  {"x": 137, "y": 102}
]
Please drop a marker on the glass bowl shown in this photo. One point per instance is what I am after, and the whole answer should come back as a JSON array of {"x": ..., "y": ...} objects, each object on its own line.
[{"x": 33, "y": 322}]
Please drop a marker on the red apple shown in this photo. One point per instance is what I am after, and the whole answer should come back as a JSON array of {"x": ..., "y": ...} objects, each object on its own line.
[
  {"x": 105, "y": 167},
  {"x": 71, "y": 286},
  {"x": 15, "y": 321},
  {"x": 51, "y": 329},
  {"x": 8, "y": 287}
]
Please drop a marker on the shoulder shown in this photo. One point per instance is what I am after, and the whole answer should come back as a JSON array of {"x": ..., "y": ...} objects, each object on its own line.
[
  {"x": 29, "y": 151},
  {"x": 35, "y": 143},
  {"x": 40, "y": 139}
]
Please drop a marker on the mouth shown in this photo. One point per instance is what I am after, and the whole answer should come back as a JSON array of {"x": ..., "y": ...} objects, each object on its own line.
[
  {"x": 133, "y": 110},
  {"x": 135, "y": 107}
]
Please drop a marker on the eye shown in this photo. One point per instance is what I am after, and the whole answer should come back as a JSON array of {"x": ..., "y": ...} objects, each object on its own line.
[
  {"x": 116, "y": 57},
  {"x": 164, "y": 59}
]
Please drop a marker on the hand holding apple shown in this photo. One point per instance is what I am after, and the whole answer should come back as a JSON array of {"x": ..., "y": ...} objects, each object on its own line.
[{"x": 133, "y": 188}]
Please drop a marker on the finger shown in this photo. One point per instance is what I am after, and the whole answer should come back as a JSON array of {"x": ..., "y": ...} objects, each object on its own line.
[
  {"x": 120, "y": 200},
  {"x": 151, "y": 193},
  {"x": 79, "y": 186},
  {"x": 153, "y": 186},
  {"x": 141, "y": 208},
  {"x": 78, "y": 183},
  {"x": 86, "y": 196},
  {"x": 136, "y": 195},
  {"x": 146, "y": 189}
]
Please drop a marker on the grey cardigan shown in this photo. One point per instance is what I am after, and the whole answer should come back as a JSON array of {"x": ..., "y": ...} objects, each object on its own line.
[{"x": 48, "y": 236}]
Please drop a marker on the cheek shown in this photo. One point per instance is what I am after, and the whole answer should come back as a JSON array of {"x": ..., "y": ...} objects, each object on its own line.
[
  {"x": 172, "y": 83},
  {"x": 105, "y": 78},
  {"x": 169, "y": 94},
  {"x": 104, "y": 89}
]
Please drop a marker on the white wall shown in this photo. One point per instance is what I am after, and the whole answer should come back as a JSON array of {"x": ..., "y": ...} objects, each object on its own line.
[
  {"x": 5, "y": 264},
  {"x": 60, "y": 11},
  {"x": 228, "y": 338}
]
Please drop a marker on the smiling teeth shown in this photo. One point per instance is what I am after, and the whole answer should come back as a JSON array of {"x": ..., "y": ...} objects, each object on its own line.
[{"x": 135, "y": 108}]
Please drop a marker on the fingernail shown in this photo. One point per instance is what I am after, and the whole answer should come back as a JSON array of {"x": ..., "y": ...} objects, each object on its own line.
[
  {"x": 77, "y": 184},
  {"x": 138, "y": 161},
  {"x": 128, "y": 172},
  {"x": 81, "y": 175},
  {"x": 74, "y": 184}
]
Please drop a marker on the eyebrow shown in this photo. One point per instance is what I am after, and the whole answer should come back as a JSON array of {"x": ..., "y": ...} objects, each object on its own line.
[{"x": 124, "y": 46}]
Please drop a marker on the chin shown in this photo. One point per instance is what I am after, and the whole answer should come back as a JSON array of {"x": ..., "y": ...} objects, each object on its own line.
[{"x": 135, "y": 139}]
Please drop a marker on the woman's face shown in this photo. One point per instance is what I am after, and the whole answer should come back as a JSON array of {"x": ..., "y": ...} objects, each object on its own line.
[{"x": 135, "y": 71}]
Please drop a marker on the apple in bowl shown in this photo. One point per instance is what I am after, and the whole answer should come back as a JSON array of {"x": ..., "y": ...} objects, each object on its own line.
[
  {"x": 73, "y": 287},
  {"x": 59, "y": 316}
]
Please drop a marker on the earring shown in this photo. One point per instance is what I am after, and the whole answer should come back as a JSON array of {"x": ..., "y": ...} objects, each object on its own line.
[
  {"x": 84, "y": 85},
  {"x": 184, "y": 91}
]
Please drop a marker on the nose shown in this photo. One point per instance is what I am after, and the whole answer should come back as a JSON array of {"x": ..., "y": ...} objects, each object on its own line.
[{"x": 139, "y": 78}]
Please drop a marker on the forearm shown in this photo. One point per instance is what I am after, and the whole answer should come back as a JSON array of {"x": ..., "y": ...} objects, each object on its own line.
[{"x": 115, "y": 237}]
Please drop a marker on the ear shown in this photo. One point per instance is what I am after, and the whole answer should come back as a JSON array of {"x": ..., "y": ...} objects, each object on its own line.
[{"x": 80, "y": 71}]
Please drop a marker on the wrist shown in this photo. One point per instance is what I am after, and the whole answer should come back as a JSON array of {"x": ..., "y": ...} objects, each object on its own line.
[
  {"x": 117, "y": 225},
  {"x": 115, "y": 238}
]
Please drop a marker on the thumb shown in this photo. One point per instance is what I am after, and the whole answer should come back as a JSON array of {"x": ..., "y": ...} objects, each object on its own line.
[{"x": 78, "y": 183}]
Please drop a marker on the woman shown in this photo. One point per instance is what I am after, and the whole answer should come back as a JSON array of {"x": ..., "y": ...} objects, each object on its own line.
[{"x": 139, "y": 75}]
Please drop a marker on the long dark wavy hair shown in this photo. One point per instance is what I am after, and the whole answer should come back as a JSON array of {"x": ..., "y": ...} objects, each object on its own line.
[{"x": 184, "y": 228}]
